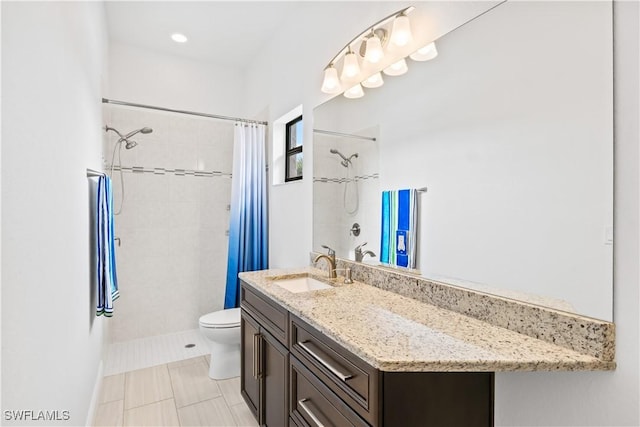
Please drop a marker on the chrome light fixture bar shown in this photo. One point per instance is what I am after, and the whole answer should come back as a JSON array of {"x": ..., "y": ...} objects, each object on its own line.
[{"x": 380, "y": 48}]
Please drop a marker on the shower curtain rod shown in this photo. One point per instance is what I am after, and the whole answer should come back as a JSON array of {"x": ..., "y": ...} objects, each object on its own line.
[
  {"x": 346, "y": 135},
  {"x": 171, "y": 110}
]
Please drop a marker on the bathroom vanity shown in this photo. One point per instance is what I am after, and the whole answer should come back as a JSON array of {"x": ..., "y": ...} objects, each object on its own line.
[{"x": 356, "y": 354}]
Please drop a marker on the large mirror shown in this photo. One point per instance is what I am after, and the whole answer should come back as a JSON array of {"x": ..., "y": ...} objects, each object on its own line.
[{"x": 510, "y": 129}]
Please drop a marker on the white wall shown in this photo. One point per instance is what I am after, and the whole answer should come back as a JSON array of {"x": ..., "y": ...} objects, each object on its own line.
[
  {"x": 278, "y": 80},
  {"x": 146, "y": 77},
  {"x": 600, "y": 398},
  {"x": 53, "y": 75}
]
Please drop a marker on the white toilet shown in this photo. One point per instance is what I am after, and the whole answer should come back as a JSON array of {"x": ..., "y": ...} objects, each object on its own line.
[{"x": 222, "y": 330}]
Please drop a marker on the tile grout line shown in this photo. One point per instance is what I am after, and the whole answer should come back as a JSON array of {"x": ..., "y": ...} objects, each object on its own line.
[
  {"x": 124, "y": 396},
  {"x": 173, "y": 395},
  {"x": 204, "y": 400}
]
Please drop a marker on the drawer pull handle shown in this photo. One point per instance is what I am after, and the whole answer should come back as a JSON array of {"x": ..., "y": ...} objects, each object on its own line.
[
  {"x": 309, "y": 412},
  {"x": 324, "y": 363},
  {"x": 256, "y": 355}
]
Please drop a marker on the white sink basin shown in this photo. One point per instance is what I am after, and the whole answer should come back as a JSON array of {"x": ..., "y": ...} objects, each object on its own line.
[{"x": 301, "y": 284}]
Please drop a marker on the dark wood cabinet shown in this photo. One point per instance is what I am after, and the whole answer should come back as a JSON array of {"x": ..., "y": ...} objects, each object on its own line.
[
  {"x": 380, "y": 399},
  {"x": 265, "y": 359},
  {"x": 249, "y": 381},
  {"x": 313, "y": 404},
  {"x": 275, "y": 379},
  {"x": 345, "y": 374},
  {"x": 294, "y": 375}
]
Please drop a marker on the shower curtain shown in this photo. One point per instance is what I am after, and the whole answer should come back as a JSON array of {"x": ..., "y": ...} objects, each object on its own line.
[{"x": 248, "y": 243}]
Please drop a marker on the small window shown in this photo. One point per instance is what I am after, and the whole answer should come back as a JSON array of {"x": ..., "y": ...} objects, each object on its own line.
[{"x": 293, "y": 150}]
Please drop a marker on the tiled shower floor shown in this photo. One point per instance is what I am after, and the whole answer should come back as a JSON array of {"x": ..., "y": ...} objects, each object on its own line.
[{"x": 145, "y": 352}]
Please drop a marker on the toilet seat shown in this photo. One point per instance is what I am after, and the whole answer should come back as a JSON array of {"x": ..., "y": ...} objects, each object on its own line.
[{"x": 222, "y": 319}]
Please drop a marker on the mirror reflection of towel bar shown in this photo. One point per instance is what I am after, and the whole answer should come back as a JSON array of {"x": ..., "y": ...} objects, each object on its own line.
[{"x": 93, "y": 173}]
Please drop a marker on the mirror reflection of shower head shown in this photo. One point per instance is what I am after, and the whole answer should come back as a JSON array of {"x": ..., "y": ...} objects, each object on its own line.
[
  {"x": 143, "y": 130},
  {"x": 345, "y": 161}
]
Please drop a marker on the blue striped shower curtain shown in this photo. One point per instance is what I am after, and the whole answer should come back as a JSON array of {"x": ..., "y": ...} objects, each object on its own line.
[{"x": 248, "y": 242}]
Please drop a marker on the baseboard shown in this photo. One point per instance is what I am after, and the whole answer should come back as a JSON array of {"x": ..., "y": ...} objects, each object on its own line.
[{"x": 95, "y": 397}]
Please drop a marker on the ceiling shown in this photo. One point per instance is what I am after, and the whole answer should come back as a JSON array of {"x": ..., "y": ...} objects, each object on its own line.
[{"x": 226, "y": 33}]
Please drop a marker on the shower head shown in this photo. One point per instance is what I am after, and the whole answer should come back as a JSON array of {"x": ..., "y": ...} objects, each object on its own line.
[
  {"x": 125, "y": 138},
  {"x": 133, "y": 132},
  {"x": 345, "y": 161}
]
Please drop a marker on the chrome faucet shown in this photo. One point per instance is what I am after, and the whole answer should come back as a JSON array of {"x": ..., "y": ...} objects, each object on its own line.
[
  {"x": 360, "y": 255},
  {"x": 332, "y": 264}
]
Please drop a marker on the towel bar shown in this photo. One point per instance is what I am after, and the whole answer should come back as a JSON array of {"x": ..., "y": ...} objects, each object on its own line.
[{"x": 93, "y": 173}]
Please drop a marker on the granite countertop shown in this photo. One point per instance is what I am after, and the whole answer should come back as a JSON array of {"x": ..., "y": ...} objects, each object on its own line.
[{"x": 395, "y": 333}]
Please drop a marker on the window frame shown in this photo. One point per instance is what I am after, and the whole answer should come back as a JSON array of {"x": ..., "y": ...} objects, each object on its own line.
[{"x": 289, "y": 152}]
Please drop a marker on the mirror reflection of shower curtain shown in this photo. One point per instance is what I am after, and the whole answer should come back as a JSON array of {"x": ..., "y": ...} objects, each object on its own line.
[
  {"x": 248, "y": 243},
  {"x": 350, "y": 197}
]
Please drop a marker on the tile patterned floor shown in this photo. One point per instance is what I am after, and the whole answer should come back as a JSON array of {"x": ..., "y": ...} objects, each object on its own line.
[{"x": 173, "y": 394}]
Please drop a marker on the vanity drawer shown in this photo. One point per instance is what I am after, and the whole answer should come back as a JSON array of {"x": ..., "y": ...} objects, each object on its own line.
[
  {"x": 272, "y": 316},
  {"x": 353, "y": 380},
  {"x": 312, "y": 404}
]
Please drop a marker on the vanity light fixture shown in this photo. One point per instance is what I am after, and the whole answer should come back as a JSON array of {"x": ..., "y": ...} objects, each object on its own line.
[
  {"x": 373, "y": 81},
  {"x": 381, "y": 48},
  {"x": 354, "y": 92},
  {"x": 179, "y": 38},
  {"x": 331, "y": 82},
  {"x": 373, "y": 48},
  {"x": 401, "y": 32},
  {"x": 350, "y": 67},
  {"x": 425, "y": 53},
  {"x": 397, "y": 68}
]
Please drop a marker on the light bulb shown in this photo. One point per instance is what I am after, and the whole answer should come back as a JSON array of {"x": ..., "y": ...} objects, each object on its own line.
[
  {"x": 374, "y": 51},
  {"x": 179, "y": 38},
  {"x": 373, "y": 81},
  {"x": 354, "y": 92},
  {"x": 331, "y": 83},
  {"x": 425, "y": 53},
  {"x": 350, "y": 67},
  {"x": 397, "y": 68},
  {"x": 401, "y": 31}
]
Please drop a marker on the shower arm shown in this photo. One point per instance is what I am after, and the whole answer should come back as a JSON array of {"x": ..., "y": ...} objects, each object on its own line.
[
  {"x": 341, "y": 155},
  {"x": 122, "y": 138},
  {"x": 347, "y": 160},
  {"x": 107, "y": 129}
]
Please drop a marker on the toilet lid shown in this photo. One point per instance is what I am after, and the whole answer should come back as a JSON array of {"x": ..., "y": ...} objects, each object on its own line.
[{"x": 229, "y": 318}]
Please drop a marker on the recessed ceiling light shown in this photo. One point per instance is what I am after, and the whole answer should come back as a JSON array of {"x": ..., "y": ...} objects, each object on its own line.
[{"x": 179, "y": 38}]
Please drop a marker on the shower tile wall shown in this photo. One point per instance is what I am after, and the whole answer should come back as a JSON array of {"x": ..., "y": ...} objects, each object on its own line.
[
  {"x": 331, "y": 220},
  {"x": 173, "y": 255}
]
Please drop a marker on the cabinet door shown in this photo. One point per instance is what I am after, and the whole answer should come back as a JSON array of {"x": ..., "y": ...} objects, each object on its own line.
[
  {"x": 249, "y": 373},
  {"x": 275, "y": 377}
]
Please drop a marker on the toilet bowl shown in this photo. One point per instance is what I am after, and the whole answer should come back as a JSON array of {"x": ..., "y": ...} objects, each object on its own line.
[{"x": 222, "y": 330}]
